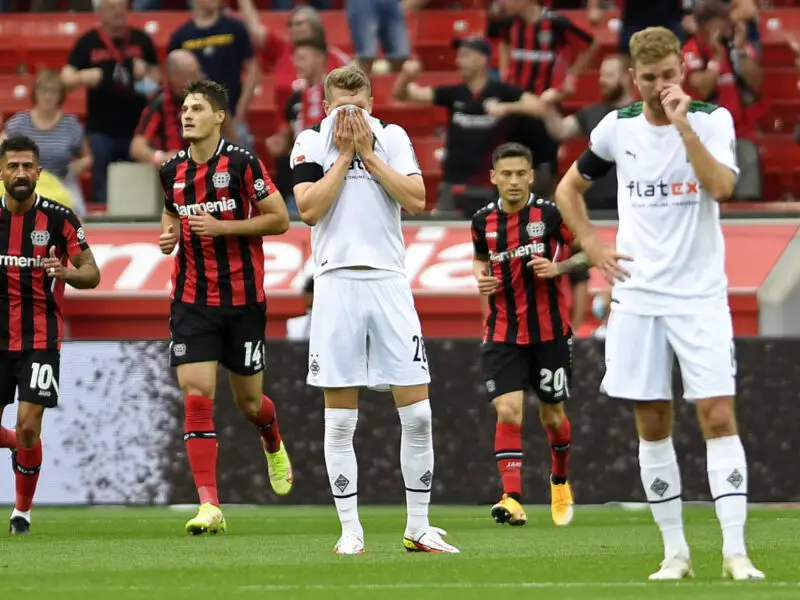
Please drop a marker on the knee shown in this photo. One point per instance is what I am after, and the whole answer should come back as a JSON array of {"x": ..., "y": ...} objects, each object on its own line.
[
  {"x": 717, "y": 417},
  {"x": 509, "y": 412},
  {"x": 416, "y": 417},
  {"x": 197, "y": 388},
  {"x": 654, "y": 420},
  {"x": 249, "y": 404},
  {"x": 28, "y": 431},
  {"x": 551, "y": 415},
  {"x": 340, "y": 426}
]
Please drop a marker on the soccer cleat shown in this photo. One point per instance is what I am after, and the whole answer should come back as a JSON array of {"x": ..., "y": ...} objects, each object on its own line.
[
  {"x": 509, "y": 511},
  {"x": 19, "y": 526},
  {"x": 740, "y": 568},
  {"x": 209, "y": 519},
  {"x": 673, "y": 569},
  {"x": 561, "y": 503},
  {"x": 349, "y": 544},
  {"x": 429, "y": 540},
  {"x": 280, "y": 471}
]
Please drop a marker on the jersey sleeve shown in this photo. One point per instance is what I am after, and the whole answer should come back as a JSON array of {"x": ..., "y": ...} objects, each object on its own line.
[
  {"x": 256, "y": 183},
  {"x": 479, "y": 238},
  {"x": 598, "y": 158},
  {"x": 692, "y": 58},
  {"x": 720, "y": 138},
  {"x": 306, "y": 164},
  {"x": 169, "y": 203},
  {"x": 403, "y": 158},
  {"x": 566, "y": 234},
  {"x": 74, "y": 234}
]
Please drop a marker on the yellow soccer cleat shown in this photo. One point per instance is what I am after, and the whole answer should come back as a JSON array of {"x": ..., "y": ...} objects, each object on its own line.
[
  {"x": 280, "y": 471},
  {"x": 509, "y": 511},
  {"x": 209, "y": 519},
  {"x": 561, "y": 503}
]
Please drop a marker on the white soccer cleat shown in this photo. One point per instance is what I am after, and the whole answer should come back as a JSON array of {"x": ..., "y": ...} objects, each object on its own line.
[
  {"x": 349, "y": 544},
  {"x": 673, "y": 569},
  {"x": 740, "y": 568},
  {"x": 428, "y": 540}
]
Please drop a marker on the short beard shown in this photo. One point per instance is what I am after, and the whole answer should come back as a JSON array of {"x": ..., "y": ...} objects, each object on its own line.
[{"x": 21, "y": 194}]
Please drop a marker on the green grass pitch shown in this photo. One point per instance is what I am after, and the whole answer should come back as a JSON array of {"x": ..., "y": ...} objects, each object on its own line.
[{"x": 286, "y": 553}]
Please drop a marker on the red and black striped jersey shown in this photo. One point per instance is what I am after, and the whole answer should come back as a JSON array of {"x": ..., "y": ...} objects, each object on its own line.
[
  {"x": 525, "y": 309},
  {"x": 160, "y": 122},
  {"x": 540, "y": 52},
  {"x": 30, "y": 310},
  {"x": 222, "y": 270}
]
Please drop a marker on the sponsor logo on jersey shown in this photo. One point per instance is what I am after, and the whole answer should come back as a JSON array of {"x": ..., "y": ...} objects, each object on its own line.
[
  {"x": 22, "y": 262},
  {"x": 216, "y": 206},
  {"x": 663, "y": 189},
  {"x": 526, "y": 250}
]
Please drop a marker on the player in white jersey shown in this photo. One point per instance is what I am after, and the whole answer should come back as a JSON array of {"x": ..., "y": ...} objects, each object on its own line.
[
  {"x": 352, "y": 174},
  {"x": 675, "y": 162}
]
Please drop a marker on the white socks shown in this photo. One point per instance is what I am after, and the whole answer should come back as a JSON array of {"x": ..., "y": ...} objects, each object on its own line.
[
  {"x": 25, "y": 514},
  {"x": 416, "y": 462},
  {"x": 727, "y": 479},
  {"x": 340, "y": 460},
  {"x": 661, "y": 479}
]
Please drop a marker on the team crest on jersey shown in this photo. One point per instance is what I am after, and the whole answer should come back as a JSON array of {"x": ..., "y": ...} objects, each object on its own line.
[
  {"x": 221, "y": 180},
  {"x": 545, "y": 38},
  {"x": 40, "y": 238},
  {"x": 536, "y": 229}
]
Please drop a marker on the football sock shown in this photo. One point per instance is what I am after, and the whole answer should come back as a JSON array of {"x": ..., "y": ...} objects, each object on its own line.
[
  {"x": 201, "y": 446},
  {"x": 8, "y": 438},
  {"x": 26, "y": 472},
  {"x": 560, "y": 439},
  {"x": 661, "y": 479},
  {"x": 508, "y": 453},
  {"x": 340, "y": 461},
  {"x": 416, "y": 462},
  {"x": 727, "y": 478},
  {"x": 267, "y": 424}
]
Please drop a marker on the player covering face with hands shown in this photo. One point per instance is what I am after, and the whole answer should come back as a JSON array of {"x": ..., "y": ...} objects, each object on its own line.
[
  {"x": 218, "y": 204},
  {"x": 352, "y": 175},
  {"x": 37, "y": 239},
  {"x": 675, "y": 162}
]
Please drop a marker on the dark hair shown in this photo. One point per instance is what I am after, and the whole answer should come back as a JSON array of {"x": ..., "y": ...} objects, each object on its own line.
[
  {"x": 215, "y": 93},
  {"x": 511, "y": 150},
  {"x": 315, "y": 43},
  {"x": 19, "y": 143},
  {"x": 708, "y": 10}
]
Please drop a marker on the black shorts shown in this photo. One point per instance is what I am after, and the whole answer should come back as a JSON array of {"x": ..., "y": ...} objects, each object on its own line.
[
  {"x": 34, "y": 373},
  {"x": 545, "y": 367},
  {"x": 233, "y": 337}
]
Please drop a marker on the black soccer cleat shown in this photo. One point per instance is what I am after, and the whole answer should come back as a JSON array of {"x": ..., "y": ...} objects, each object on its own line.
[{"x": 19, "y": 526}]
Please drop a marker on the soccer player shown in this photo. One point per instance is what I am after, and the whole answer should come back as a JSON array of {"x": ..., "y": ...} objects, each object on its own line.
[
  {"x": 352, "y": 175},
  {"x": 527, "y": 341},
  {"x": 675, "y": 163},
  {"x": 218, "y": 203},
  {"x": 37, "y": 237}
]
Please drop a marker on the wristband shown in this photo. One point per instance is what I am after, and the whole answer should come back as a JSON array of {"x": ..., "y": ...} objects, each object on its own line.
[{"x": 158, "y": 157}]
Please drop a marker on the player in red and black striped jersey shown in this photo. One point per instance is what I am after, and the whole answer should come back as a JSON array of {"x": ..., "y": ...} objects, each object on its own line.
[
  {"x": 37, "y": 238},
  {"x": 527, "y": 342},
  {"x": 218, "y": 203}
]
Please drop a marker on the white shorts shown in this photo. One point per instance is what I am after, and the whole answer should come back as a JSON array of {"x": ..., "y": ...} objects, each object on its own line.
[
  {"x": 365, "y": 332},
  {"x": 640, "y": 351}
]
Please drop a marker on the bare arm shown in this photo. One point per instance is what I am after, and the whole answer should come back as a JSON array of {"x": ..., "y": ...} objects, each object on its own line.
[
  {"x": 169, "y": 219},
  {"x": 561, "y": 128},
  {"x": 141, "y": 151},
  {"x": 73, "y": 78},
  {"x": 407, "y": 190},
  {"x": 314, "y": 200},
  {"x": 752, "y": 73},
  {"x": 249, "y": 14},
  {"x": 580, "y": 303},
  {"x": 529, "y": 105},
  {"x": 273, "y": 220},
  {"x": 85, "y": 275},
  {"x": 249, "y": 83},
  {"x": 717, "y": 179},
  {"x": 704, "y": 82},
  {"x": 743, "y": 10},
  {"x": 571, "y": 205},
  {"x": 84, "y": 159},
  {"x": 573, "y": 264},
  {"x": 503, "y": 59},
  {"x": 406, "y": 90}
]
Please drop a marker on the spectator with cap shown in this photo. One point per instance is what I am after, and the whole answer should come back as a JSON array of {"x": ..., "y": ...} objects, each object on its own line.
[
  {"x": 721, "y": 67},
  {"x": 482, "y": 115}
]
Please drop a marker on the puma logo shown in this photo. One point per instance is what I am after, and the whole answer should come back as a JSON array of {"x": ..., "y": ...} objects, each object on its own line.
[{"x": 629, "y": 153}]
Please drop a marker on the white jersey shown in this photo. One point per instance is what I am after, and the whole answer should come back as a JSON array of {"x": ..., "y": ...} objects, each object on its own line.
[
  {"x": 362, "y": 226},
  {"x": 668, "y": 224}
]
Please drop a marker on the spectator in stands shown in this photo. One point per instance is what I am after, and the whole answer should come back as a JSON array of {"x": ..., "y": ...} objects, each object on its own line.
[
  {"x": 721, "y": 67},
  {"x": 637, "y": 15},
  {"x": 63, "y": 148},
  {"x": 118, "y": 66},
  {"x": 303, "y": 109},
  {"x": 222, "y": 45},
  {"x": 543, "y": 53},
  {"x": 616, "y": 92},
  {"x": 481, "y": 117},
  {"x": 378, "y": 22},
  {"x": 159, "y": 136},
  {"x": 298, "y": 328},
  {"x": 742, "y": 11}
]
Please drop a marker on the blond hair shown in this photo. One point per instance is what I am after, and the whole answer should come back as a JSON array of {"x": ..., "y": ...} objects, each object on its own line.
[
  {"x": 349, "y": 78},
  {"x": 653, "y": 45}
]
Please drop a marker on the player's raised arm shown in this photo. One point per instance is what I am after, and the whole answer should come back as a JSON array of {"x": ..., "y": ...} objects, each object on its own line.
[
  {"x": 315, "y": 190},
  {"x": 406, "y": 90},
  {"x": 401, "y": 176},
  {"x": 713, "y": 156}
]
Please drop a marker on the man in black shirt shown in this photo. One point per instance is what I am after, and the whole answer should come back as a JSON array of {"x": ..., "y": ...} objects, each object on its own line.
[
  {"x": 118, "y": 66},
  {"x": 482, "y": 115}
]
